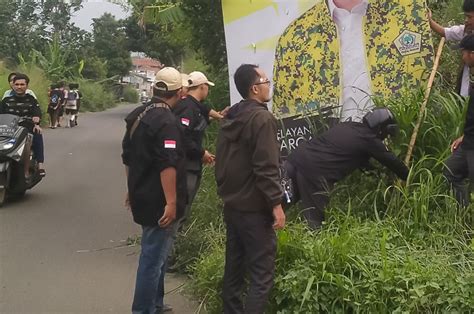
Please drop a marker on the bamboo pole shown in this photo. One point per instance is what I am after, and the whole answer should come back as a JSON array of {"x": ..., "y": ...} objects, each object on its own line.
[{"x": 425, "y": 102}]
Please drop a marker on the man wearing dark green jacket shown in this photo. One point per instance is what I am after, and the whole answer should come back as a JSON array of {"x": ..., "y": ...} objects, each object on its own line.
[{"x": 248, "y": 181}]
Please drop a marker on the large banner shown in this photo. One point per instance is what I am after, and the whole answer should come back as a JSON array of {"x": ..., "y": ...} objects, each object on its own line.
[{"x": 329, "y": 58}]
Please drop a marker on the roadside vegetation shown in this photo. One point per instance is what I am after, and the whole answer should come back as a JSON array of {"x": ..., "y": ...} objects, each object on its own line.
[{"x": 386, "y": 246}]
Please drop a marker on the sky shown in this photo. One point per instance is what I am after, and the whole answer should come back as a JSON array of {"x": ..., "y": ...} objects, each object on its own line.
[{"x": 95, "y": 8}]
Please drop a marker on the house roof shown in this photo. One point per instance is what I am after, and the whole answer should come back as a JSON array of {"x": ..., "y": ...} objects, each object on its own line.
[{"x": 146, "y": 64}]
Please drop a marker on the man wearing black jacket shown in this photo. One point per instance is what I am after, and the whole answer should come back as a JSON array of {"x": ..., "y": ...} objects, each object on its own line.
[
  {"x": 318, "y": 164},
  {"x": 248, "y": 181},
  {"x": 193, "y": 117},
  {"x": 153, "y": 156}
]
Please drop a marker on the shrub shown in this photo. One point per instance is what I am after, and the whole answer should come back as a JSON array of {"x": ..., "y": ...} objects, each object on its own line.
[
  {"x": 95, "y": 96},
  {"x": 130, "y": 94}
]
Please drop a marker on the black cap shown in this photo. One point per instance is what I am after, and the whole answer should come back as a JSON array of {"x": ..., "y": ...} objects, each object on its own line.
[{"x": 467, "y": 42}]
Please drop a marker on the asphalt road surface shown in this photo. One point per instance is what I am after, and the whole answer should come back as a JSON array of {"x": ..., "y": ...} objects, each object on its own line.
[{"x": 63, "y": 247}]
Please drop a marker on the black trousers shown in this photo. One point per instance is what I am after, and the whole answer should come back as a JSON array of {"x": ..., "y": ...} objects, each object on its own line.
[
  {"x": 314, "y": 197},
  {"x": 250, "y": 249},
  {"x": 459, "y": 172},
  {"x": 193, "y": 181}
]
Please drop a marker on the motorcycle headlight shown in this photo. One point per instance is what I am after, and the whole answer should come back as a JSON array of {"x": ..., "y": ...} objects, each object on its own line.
[{"x": 8, "y": 145}]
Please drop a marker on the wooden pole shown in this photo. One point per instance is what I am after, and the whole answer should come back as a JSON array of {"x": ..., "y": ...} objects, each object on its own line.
[{"x": 425, "y": 102}]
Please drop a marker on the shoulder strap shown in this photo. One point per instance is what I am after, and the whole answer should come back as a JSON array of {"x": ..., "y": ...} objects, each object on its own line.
[{"x": 144, "y": 112}]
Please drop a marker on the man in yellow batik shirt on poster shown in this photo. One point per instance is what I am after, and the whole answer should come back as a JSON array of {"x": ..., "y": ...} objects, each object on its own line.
[{"x": 341, "y": 54}]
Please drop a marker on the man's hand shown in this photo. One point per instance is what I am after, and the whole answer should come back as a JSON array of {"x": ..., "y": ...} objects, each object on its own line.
[
  {"x": 35, "y": 119},
  {"x": 169, "y": 216},
  {"x": 37, "y": 129},
  {"x": 224, "y": 111},
  {"x": 208, "y": 158},
  {"x": 428, "y": 13},
  {"x": 279, "y": 217},
  {"x": 456, "y": 143}
]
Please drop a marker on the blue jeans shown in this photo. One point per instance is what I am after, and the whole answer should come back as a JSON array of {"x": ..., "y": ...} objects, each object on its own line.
[
  {"x": 156, "y": 243},
  {"x": 38, "y": 147}
]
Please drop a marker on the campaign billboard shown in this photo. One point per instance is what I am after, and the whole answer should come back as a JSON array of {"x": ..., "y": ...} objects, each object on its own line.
[{"x": 328, "y": 58}]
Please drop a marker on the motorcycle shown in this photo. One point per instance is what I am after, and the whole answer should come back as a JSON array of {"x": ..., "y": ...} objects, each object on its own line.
[{"x": 14, "y": 138}]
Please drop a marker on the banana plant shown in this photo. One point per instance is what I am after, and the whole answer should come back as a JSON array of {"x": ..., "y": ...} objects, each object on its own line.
[
  {"x": 163, "y": 13},
  {"x": 159, "y": 12},
  {"x": 54, "y": 61}
]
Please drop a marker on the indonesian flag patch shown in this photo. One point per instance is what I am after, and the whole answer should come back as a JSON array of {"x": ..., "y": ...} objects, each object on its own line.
[
  {"x": 170, "y": 144},
  {"x": 185, "y": 121}
]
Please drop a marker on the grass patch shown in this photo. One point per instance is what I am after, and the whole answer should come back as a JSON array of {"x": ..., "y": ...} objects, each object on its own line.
[{"x": 95, "y": 96}]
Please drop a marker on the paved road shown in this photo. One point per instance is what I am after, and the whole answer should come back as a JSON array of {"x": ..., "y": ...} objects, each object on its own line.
[{"x": 62, "y": 246}]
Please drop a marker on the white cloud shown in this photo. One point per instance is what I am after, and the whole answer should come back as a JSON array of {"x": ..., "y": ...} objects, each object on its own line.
[{"x": 94, "y": 9}]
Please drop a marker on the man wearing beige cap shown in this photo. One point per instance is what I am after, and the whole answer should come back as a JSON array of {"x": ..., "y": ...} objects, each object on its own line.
[
  {"x": 193, "y": 116},
  {"x": 153, "y": 155}
]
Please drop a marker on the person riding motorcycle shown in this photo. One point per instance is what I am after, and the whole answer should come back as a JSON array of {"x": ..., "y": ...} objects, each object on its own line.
[{"x": 25, "y": 105}]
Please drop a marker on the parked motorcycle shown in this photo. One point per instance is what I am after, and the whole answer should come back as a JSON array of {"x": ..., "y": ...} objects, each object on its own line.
[{"x": 14, "y": 138}]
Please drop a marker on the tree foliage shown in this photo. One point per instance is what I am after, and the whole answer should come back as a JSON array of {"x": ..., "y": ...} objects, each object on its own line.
[
  {"x": 199, "y": 22},
  {"x": 204, "y": 17},
  {"x": 55, "y": 61},
  {"x": 157, "y": 41},
  {"x": 30, "y": 24},
  {"x": 110, "y": 44}
]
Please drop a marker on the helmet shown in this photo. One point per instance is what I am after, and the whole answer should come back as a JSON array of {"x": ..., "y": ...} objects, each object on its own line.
[{"x": 382, "y": 121}]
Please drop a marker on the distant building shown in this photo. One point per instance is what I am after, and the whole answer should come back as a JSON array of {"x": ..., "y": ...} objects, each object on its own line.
[{"x": 143, "y": 72}]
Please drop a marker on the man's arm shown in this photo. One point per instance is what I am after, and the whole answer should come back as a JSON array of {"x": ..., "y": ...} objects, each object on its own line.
[
  {"x": 456, "y": 143},
  {"x": 168, "y": 182},
  {"x": 266, "y": 162},
  {"x": 166, "y": 159},
  {"x": 3, "y": 106},
  {"x": 453, "y": 33},
  {"x": 126, "y": 148},
  {"x": 435, "y": 26},
  {"x": 127, "y": 199},
  {"x": 125, "y": 161},
  {"x": 380, "y": 152},
  {"x": 266, "y": 157}
]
